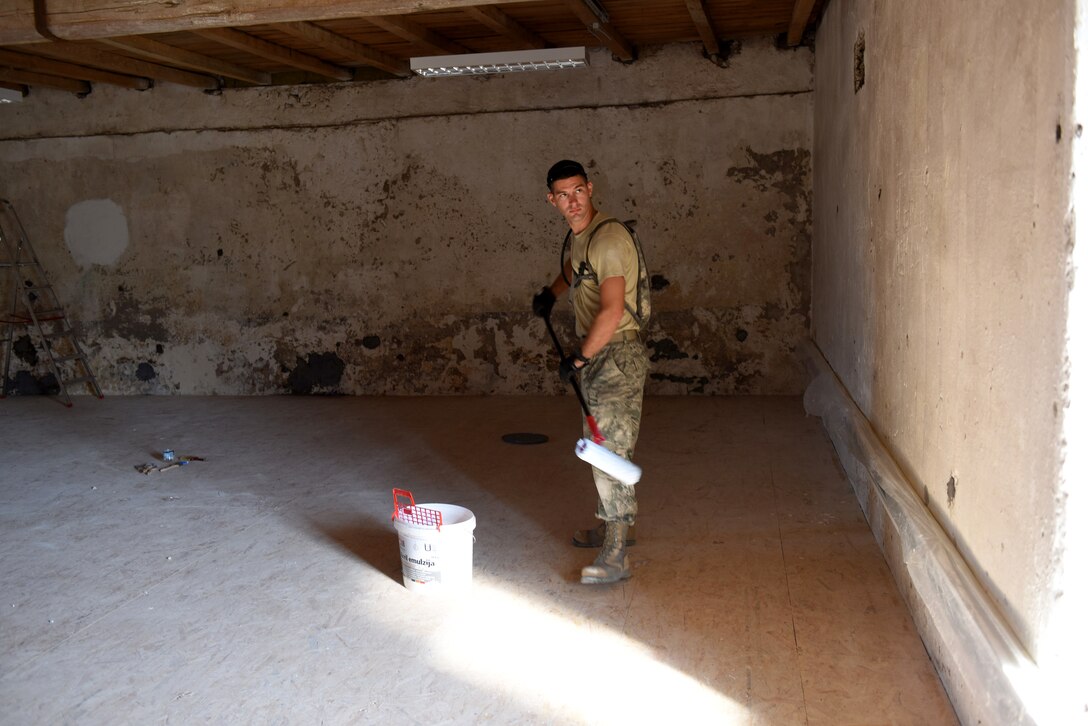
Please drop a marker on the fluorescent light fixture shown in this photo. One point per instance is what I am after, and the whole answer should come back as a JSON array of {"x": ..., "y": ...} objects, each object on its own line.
[
  {"x": 9, "y": 96},
  {"x": 472, "y": 64}
]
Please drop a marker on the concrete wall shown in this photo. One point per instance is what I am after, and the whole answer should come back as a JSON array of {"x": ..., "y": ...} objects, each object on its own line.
[
  {"x": 386, "y": 237},
  {"x": 939, "y": 264}
]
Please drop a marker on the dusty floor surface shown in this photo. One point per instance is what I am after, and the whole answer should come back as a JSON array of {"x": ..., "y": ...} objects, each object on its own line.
[{"x": 263, "y": 585}]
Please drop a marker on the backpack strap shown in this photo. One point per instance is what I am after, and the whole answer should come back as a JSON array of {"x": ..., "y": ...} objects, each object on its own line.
[{"x": 585, "y": 271}]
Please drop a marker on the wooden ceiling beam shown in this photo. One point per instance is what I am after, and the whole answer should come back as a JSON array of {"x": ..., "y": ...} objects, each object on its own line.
[
  {"x": 87, "y": 55},
  {"x": 96, "y": 19},
  {"x": 802, "y": 11},
  {"x": 415, "y": 33},
  {"x": 603, "y": 30},
  {"x": 697, "y": 11},
  {"x": 504, "y": 25},
  {"x": 28, "y": 62},
  {"x": 251, "y": 44},
  {"x": 163, "y": 53},
  {"x": 30, "y": 78},
  {"x": 17, "y": 87},
  {"x": 356, "y": 51}
]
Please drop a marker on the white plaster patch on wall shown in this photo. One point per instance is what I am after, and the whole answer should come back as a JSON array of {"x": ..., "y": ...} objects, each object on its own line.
[{"x": 96, "y": 232}]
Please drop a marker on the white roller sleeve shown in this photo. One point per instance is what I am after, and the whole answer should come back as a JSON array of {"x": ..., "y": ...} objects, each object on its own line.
[{"x": 612, "y": 464}]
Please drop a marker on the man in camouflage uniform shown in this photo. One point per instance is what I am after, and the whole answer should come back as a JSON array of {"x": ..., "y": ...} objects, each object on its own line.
[{"x": 603, "y": 275}]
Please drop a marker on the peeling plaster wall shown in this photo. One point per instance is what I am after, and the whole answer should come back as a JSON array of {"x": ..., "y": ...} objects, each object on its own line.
[
  {"x": 386, "y": 237},
  {"x": 939, "y": 258}
]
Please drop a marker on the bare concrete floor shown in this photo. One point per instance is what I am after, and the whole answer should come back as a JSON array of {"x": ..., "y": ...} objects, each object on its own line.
[{"x": 264, "y": 584}]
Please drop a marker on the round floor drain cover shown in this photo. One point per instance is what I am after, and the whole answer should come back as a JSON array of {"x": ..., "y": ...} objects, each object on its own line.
[{"x": 525, "y": 438}]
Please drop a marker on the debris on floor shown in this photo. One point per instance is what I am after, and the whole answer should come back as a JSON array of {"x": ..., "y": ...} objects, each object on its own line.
[{"x": 175, "y": 462}]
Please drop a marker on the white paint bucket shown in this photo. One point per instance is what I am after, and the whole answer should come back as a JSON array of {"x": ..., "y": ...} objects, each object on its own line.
[{"x": 437, "y": 558}]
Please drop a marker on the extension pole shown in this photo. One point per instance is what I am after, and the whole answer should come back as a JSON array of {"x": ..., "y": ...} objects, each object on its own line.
[
  {"x": 598, "y": 437},
  {"x": 591, "y": 451}
]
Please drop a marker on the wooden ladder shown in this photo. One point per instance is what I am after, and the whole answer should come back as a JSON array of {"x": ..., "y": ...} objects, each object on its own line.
[{"x": 34, "y": 306}]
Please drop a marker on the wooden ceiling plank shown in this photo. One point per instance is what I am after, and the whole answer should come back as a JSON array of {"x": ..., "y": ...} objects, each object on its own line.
[
  {"x": 161, "y": 52},
  {"x": 90, "y": 56},
  {"x": 85, "y": 54},
  {"x": 504, "y": 25},
  {"x": 347, "y": 46},
  {"x": 802, "y": 11},
  {"x": 415, "y": 33},
  {"x": 17, "y": 87},
  {"x": 271, "y": 51},
  {"x": 30, "y": 78},
  {"x": 697, "y": 10},
  {"x": 602, "y": 30},
  {"x": 28, "y": 62},
  {"x": 96, "y": 19}
]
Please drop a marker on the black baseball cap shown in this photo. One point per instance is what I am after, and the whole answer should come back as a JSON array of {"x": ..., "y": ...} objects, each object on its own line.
[{"x": 565, "y": 169}]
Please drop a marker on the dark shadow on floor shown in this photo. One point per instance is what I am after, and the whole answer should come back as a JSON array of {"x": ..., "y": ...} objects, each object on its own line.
[{"x": 368, "y": 542}]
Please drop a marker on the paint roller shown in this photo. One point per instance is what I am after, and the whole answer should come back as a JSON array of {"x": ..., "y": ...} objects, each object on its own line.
[{"x": 592, "y": 452}]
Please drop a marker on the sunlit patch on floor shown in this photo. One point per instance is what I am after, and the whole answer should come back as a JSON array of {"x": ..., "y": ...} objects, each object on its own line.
[{"x": 572, "y": 670}]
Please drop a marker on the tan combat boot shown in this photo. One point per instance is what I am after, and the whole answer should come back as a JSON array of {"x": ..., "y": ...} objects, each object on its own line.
[
  {"x": 611, "y": 564},
  {"x": 595, "y": 537}
]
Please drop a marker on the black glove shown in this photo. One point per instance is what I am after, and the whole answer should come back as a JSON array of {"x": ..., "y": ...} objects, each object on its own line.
[
  {"x": 568, "y": 369},
  {"x": 543, "y": 302}
]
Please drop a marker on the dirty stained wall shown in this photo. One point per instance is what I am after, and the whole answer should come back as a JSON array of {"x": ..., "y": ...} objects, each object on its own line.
[
  {"x": 386, "y": 237},
  {"x": 940, "y": 249}
]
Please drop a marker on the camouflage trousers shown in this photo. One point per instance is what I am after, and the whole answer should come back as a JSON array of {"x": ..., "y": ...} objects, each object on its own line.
[{"x": 612, "y": 382}]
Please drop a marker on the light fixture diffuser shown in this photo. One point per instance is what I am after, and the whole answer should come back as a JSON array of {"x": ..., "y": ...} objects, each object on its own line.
[{"x": 472, "y": 64}]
